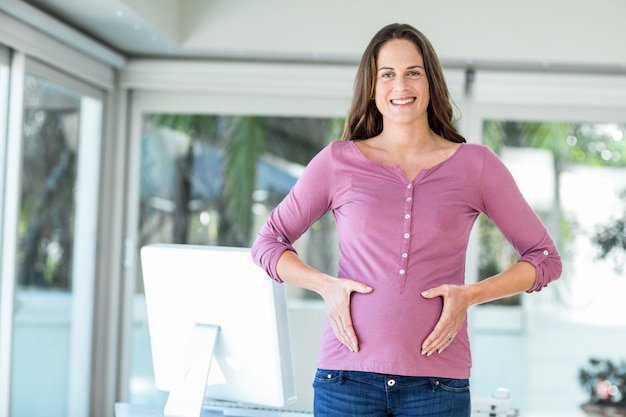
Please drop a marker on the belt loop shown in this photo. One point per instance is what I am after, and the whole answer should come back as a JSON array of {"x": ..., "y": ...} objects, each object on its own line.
[{"x": 342, "y": 377}]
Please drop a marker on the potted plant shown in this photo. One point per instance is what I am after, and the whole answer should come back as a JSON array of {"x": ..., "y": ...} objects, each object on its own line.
[{"x": 605, "y": 382}]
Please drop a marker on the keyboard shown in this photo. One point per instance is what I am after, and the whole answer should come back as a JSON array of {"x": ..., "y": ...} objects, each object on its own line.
[{"x": 238, "y": 410}]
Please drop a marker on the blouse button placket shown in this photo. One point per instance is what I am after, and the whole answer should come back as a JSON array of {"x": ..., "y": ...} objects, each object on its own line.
[{"x": 408, "y": 208}]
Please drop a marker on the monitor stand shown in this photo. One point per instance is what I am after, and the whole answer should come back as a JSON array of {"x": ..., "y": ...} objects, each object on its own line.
[{"x": 187, "y": 394}]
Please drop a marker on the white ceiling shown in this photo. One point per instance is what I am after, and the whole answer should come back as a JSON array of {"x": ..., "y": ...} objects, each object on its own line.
[
  {"x": 126, "y": 29},
  {"x": 274, "y": 29},
  {"x": 535, "y": 34}
]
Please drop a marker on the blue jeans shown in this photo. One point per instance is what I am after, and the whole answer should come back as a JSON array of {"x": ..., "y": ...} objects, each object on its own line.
[{"x": 367, "y": 394}]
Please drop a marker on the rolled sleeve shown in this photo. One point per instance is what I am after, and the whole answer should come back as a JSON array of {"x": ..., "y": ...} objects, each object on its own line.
[
  {"x": 268, "y": 248},
  {"x": 547, "y": 262}
]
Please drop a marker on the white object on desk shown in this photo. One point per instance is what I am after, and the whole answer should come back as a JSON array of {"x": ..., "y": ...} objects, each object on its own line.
[{"x": 498, "y": 405}]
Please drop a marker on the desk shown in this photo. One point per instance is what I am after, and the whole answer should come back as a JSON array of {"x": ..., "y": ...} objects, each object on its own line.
[{"x": 132, "y": 410}]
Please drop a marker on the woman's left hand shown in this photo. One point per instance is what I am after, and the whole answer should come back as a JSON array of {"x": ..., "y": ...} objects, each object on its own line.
[{"x": 456, "y": 301}]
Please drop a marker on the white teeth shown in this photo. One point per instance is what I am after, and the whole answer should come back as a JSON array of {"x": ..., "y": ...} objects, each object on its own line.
[{"x": 405, "y": 101}]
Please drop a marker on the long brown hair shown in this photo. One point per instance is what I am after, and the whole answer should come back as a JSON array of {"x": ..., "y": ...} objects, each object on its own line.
[{"x": 365, "y": 121}]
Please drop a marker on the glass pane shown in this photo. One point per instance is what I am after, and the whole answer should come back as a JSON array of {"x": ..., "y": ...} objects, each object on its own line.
[
  {"x": 45, "y": 249},
  {"x": 48, "y": 179},
  {"x": 574, "y": 176},
  {"x": 212, "y": 180}
]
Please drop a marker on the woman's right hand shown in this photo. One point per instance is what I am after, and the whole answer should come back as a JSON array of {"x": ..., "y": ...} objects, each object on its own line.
[{"x": 336, "y": 294}]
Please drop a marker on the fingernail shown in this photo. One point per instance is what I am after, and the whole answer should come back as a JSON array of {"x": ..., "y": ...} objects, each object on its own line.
[{"x": 424, "y": 292}]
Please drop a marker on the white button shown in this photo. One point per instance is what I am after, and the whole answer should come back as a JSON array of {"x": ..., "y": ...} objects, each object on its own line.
[
  {"x": 406, "y": 235},
  {"x": 409, "y": 199},
  {"x": 391, "y": 382},
  {"x": 280, "y": 239},
  {"x": 329, "y": 376},
  {"x": 405, "y": 255},
  {"x": 545, "y": 252},
  {"x": 409, "y": 185},
  {"x": 407, "y": 216},
  {"x": 401, "y": 272}
]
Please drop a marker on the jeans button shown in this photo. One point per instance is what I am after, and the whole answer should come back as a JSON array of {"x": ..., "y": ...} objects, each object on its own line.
[{"x": 391, "y": 382}]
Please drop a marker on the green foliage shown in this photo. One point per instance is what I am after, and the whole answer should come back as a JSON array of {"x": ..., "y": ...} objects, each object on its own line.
[
  {"x": 49, "y": 269},
  {"x": 195, "y": 126},
  {"x": 246, "y": 144},
  {"x": 590, "y": 144},
  {"x": 46, "y": 218},
  {"x": 240, "y": 140},
  {"x": 610, "y": 238},
  {"x": 605, "y": 373}
]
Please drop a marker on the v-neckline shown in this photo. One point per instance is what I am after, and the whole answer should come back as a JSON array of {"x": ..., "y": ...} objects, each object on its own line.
[{"x": 397, "y": 168}]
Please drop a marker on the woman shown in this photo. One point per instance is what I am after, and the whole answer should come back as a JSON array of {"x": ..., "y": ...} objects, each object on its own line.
[{"x": 405, "y": 190}]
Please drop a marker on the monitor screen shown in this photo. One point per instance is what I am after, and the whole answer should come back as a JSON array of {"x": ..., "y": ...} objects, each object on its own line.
[{"x": 218, "y": 328}]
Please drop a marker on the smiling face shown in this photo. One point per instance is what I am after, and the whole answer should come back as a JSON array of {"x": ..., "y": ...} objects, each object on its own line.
[{"x": 401, "y": 92}]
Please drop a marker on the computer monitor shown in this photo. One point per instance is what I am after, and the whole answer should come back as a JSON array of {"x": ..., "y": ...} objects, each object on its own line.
[{"x": 218, "y": 328}]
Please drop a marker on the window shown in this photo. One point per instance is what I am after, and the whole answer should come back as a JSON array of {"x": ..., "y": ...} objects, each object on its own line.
[
  {"x": 51, "y": 207},
  {"x": 212, "y": 180},
  {"x": 574, "y": 176}
]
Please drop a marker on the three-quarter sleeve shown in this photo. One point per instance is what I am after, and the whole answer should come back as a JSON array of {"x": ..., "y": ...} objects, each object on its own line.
[
  {"x": 505, "y": 205},
  {"x": 307, "y": 202}
]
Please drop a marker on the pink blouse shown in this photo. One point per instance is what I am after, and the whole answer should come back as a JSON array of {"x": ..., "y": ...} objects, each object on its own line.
[{"x": 402, "y": 237}]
